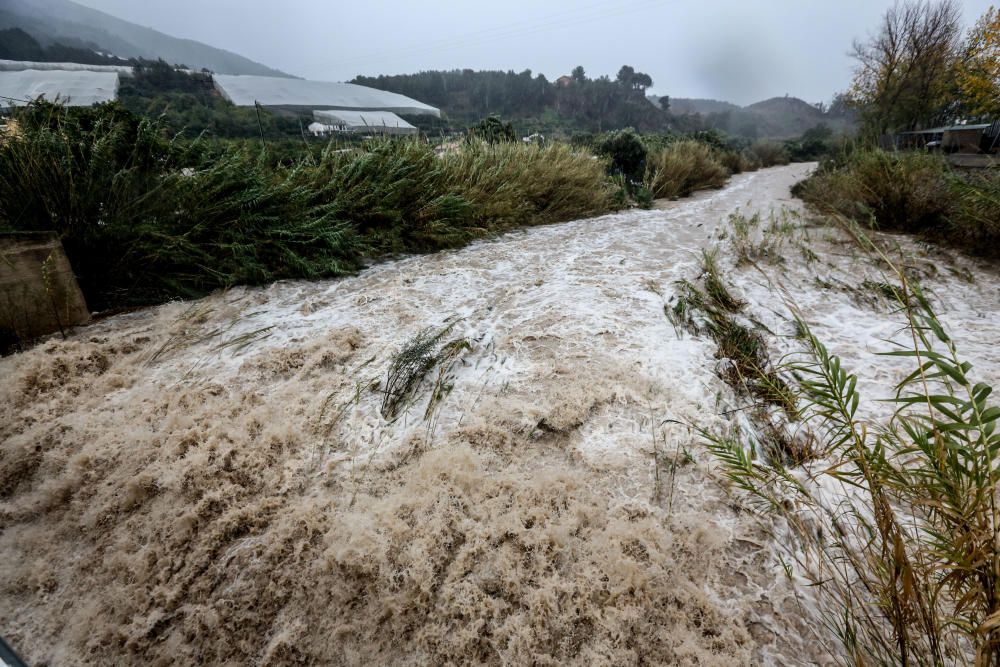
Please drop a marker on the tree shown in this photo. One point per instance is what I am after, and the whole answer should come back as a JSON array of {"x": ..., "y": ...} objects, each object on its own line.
[
  {"x": 578, "y": 74},
  {"x": 665, "y": 103},
  {"x": 903, "y": 79},
  {"x": 625, "y": 75},
  {"x": 629, "y": 78},
  {"x": 492, "y": 130},
  {"x": 979, "y": 71}
]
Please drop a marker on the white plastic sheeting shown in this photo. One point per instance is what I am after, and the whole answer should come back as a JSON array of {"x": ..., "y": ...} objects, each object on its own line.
[
  {"x": 268, "y": 91},
  {"x": 80, "y": 88},
  {"x": 381, "y": 122},
  {"x": 21, "y": 65}
]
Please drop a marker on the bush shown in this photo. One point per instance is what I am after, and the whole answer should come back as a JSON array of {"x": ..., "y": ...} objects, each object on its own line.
[
  {"x": 626, "y": 152},
  {"x": 974, "y": 221},
  {"x": 904, "y": 191},
  {"x": 492, "y": 130},
  {"x": 682, "y": 168},
  {"x": 768, "y": 153},
  {"x": 736, "y": 162},
  {"x": 515, "y": 184},
  {"x": 915, "y": 193}
]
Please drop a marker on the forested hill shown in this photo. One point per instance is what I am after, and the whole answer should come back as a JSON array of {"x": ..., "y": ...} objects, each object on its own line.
[
  {"x": 775, "y": 118},
  {"x": 68, "y": 26},
  {"x": 578, "y": 103},
  {"x": 575, "y": 102}
]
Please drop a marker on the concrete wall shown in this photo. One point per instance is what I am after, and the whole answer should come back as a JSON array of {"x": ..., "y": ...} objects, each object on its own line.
[{"x": 39, "y": 294}]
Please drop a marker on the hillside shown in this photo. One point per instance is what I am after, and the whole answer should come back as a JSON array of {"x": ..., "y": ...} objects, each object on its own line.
[
  {"x": 72, "y": 25},
  {"x": 681, "y": 105},
  {"x": 775, "y": 118}
]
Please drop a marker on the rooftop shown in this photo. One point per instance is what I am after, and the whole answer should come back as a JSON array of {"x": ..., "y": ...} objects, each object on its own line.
[
  {"x": 275, "y": 92},
  {"x": 362, "y": 119},
  {"x": 79, "y": 88}
]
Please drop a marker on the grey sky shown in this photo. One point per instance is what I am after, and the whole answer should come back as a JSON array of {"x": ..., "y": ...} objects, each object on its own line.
[{"x": 737, "y": 50}]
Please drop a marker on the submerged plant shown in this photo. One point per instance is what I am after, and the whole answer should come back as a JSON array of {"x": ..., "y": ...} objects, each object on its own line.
[
  {"x": 898, "y": 529},
  {"x": 410, "y": 366}
]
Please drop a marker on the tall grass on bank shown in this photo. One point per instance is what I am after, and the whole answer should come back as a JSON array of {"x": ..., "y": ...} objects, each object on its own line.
[
  {"x": 898, "y": 527},
  {"x": 145, "y": 218},
  {"x": 683, "y": 167},
  {"x": 911, "y": 192}
]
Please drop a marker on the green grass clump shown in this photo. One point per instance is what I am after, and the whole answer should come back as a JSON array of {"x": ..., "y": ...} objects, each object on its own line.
[{"x": 683, "y": 167}]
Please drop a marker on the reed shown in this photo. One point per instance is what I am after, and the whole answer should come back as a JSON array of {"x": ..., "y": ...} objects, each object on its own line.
[{"x": 897, "y": 526}]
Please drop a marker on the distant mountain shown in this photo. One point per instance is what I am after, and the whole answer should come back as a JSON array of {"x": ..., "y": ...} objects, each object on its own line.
[
  {"x": 681, "y": 105},
  {"x": 776, "y": 118},
  {"x": 69, "y": 24}
]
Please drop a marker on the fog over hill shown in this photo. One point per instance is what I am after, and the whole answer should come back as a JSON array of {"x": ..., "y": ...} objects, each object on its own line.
[
  {"x": 778, "y": 117},
  {"x": 65, "y": 22}
]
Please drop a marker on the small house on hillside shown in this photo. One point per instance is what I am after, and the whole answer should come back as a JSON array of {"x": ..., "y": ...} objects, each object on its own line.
[{"x": 564, "y": 81}]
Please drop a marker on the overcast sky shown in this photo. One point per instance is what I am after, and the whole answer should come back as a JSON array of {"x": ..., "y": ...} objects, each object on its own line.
[{"x": 737, "y": 50}]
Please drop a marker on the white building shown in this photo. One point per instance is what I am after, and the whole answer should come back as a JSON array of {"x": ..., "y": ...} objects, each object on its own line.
[{"x": 360, "y": 122}]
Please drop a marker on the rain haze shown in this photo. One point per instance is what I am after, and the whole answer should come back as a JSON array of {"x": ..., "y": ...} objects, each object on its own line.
[{"x": 723, "y": 49}]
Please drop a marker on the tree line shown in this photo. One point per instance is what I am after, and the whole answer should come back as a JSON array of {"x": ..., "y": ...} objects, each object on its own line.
[{"x": 594, "y": 104}]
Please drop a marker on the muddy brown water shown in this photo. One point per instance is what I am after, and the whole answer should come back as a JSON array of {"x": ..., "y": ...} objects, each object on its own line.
[{"x": 215, "y": 482}]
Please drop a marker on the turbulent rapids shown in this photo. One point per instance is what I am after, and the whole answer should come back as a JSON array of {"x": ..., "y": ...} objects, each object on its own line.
[{"x": 473, "y": 456}]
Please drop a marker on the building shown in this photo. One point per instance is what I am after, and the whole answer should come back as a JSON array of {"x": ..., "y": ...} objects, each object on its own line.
[
  {"x": 962, "y": 139},
  {"x": 360, "y": 122},
  {"x": 79, "y": 88},
  {"x": 298, "y": 95},
  {"x": 965, "y": 139},
  {"x": 564, "y": 81}
]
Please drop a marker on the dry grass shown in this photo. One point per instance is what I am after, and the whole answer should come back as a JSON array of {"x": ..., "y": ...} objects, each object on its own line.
[
  {"x": 683, "y": 167},
  {"x": 911, "y": 192}
]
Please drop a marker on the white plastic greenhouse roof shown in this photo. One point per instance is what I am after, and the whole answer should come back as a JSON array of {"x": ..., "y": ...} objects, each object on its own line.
[
  {"x": 268, "y": 91},
  {"x": 21, "y": 65},
  {"x": 72, "y": 88},
  {"x": 362, "y": 119}
]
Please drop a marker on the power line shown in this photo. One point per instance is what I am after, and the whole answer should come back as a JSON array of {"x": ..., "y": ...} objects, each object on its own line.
[
  {"x": 486, "y": 32},
  {"x": 560, "y": 20}
]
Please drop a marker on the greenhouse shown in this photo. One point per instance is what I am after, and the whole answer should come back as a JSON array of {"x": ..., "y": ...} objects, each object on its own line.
[
  {"x": 245, "y": 91},
  {"x": 80, "y": 88},
  {"x": 21, "y": 65},
  {"x": 363, "y": 122}
]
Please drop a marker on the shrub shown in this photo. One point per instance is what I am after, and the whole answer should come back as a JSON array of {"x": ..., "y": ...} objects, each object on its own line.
[
  {"x": 737, "y": 162},
  {"x": 974, "y": 221},
  {"x": 682, "y": 168},
  {"x": 903, "y": 191},
  {"x": 492, "y": 130},
  {"x": 626, "y": 152},
  {"x": 768, "y": 153}
]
